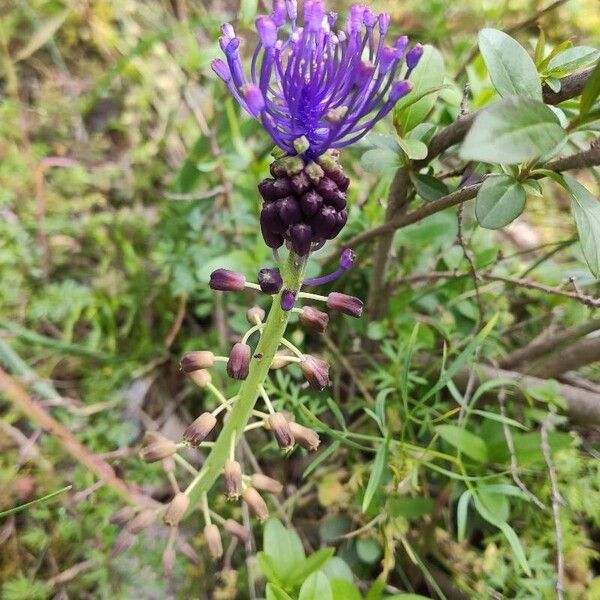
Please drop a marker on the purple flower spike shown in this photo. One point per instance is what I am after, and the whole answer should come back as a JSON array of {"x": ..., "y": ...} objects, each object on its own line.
[
  {"x": 330, "y": 87},
  {"x": 270, "y": 281},
  {"x": 288, "y": 299},
  {"x": 225, "y": 280}
]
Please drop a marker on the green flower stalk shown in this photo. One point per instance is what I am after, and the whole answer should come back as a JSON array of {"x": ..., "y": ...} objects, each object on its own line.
[{"x": 260, "y": 362}]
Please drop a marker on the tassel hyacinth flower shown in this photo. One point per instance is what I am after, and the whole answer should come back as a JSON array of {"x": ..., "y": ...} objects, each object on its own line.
[{"x": 316, "y": 88}]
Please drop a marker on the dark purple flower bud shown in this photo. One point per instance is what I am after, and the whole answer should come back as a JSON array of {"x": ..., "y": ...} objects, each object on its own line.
[
  {"x": 289, "y": 211},
  {"x": 310, "y": 203},
  {"x": 347, "y": 259},
  {"x": 282, "y": 187},
  {"x": 272, "y": 239},
  {"x": 270, "y": 281},
  {"x": 316, "y": 372},
  {"x": 267, "y": 31},
  {"x": 269, "y": 217},
  {"x": 400, "y": 89},
  {"x": 301, "y": 237},
  {"x": 331, "y": 193},
  {"x": 266, "y": 190},
  {"x": 288, "y": 299},
  {"x": 314, "y": 319},
  {"x": 340, "y": 179},
  {"x": 199, "y": 359},
  {"x": 323, "y": 222},
  {"x": 239, "y": 361},
  {"x": 300, "y": 183},
  {"x": 254, "y": 99},
  {"x": 340, "y": 220},
  {"x": 199, "y": 429},
  {"x": 221, "y": 69},
  {"x": 277, "y": 169},
  {"x": 227, "y": 281},
  {"x": 413, "y": 56},
  {"x": 349, "y": 305}
]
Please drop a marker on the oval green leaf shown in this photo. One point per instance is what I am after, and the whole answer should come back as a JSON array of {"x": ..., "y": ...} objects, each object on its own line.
[
  {"x": 512, "y": 131},
  {"x": 316, "y": 587},
  {"x": 511, "y": 69},
  {"x": 500, "y": 200}
]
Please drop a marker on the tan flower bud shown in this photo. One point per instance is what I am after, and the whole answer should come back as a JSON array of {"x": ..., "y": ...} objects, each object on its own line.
[
  {"x": 266, "y": 484},
  {"x": 213, "y": 541},
  {"x": 305, "y": 437},
  {"x": 200, "y": 428},
  {"x": 168, "y": 561},
  {"x": 122, "y": 515},
  {"x": 201, "y": 377},
  {"x": 157, "y": 449},
  {"x": 314, "y": 319},
  {"x": 176, "y": 509},
  {"x": 199, "y": 359},
  {"x": 123, "y": 542},
  {"x": 232, "y": 475},
  {"x": 237, "y": 529},
  {"x": 256, "y": 504},
  {"x": 255, "y": 315},
  {"x": 281, "y": 431},
  {"x": 141, "y": 521},
  {"x": 280, "y": 360}
]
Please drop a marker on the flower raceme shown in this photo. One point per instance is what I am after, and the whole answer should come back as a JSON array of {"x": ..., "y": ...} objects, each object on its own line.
[
  {"x": 315, "y": 91},
  {"x": 329, "y": 86}
]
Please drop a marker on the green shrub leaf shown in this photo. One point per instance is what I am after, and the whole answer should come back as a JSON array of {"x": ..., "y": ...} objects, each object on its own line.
[
  {"x": 500, "y": 200},
  {"x": 512, "y": 131},
  {"x": 511, "y": 69},
  {"x": 465, "y": 441}
]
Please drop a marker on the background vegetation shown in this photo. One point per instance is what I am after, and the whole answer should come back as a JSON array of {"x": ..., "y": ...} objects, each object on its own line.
[{"x": 127, "y": 175}]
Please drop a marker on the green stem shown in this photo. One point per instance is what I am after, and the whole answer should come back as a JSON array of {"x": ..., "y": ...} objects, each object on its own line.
[{"x": 233, "y": 428}]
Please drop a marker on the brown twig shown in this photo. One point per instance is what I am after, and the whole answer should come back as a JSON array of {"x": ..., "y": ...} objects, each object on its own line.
[
  {"x": 177, "y": 323},
  {"x": 548, "y": 343},
  {"x": 589, "y": 301},
  {"x": 575, "y": 356},
  {"x": 556, "y": 503},
  {"x": 17, "y": 394},
  {"x": 587, "y": 158},
  {"x": 398, "y": 199}
]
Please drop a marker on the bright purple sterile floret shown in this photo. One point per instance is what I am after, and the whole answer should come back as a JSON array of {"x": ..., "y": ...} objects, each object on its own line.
[{"x": 325, "y": 85}]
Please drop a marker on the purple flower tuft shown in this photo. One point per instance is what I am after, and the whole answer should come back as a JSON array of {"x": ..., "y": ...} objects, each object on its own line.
[
  {"x": 347, "y": 259},
  {"x": 327, "y": 86}
]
